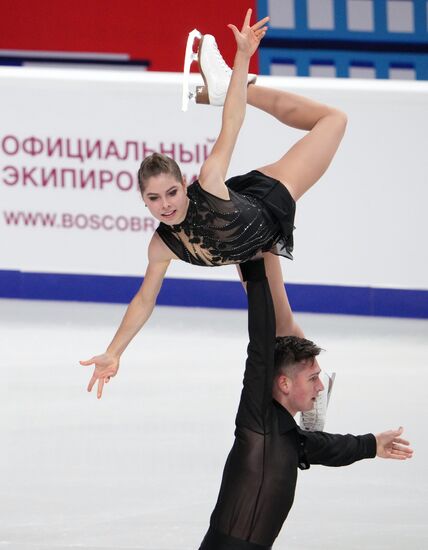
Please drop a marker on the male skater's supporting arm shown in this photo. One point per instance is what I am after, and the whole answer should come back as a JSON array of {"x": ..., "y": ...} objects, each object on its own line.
[
  {"x": 256, "y": 397},
  {"x": 234, "y": 516}
]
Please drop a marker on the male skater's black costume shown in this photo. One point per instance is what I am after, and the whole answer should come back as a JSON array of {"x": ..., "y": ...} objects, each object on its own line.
[{"x": 260, "y": 474}]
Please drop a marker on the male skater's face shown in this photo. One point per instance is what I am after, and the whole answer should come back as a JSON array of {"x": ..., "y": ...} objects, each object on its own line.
[{"x": 304, "y": 386}]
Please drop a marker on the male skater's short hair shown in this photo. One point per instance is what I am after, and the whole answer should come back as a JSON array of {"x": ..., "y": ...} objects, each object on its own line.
[{"x": 292, "y": 352}]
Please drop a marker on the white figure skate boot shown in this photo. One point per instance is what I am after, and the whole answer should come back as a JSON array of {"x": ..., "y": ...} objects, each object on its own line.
[
  {"x": 314, "y": 420},
  {"x": 214, "y": 70}
]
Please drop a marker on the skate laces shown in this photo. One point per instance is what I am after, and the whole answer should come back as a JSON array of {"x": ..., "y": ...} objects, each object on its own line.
[
  {"x": 315, "y": 418},
  {"x": 316, "y": 411},
  {"x": 222, "y": 62}
]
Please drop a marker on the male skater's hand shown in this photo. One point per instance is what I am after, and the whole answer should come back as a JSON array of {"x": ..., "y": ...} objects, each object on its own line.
[
  {"x": 106, "y": 366},
  {"x": 248, "y": 39},
  {"x": 391, "y": 445}
]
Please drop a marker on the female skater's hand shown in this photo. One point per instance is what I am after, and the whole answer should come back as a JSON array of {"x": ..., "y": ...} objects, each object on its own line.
[
  {"x": 106, "y": 366},
  {"x": 248, "y": 39},
  {"x": 391, "y": 445}
]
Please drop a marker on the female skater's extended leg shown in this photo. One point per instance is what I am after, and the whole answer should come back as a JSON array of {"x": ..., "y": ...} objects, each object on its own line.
[{"x": 309, "y": 158}]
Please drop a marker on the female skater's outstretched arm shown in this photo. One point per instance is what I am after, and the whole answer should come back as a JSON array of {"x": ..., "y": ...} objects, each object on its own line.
[
  {"x": 169, "y": 197},
  {"x": 213, "y": 172},
  {"x": 137, "y": 313}
]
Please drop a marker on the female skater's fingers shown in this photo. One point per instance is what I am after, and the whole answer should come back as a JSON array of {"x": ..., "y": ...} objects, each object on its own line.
[
  {"x": 92, "y": 382},
  {"x": 247, "y": 19},
  {"x": 260, "y": 23},
  {"x": 87, "y": 362},
  {"x": 100, "y": 387},
  {"x": 234, "y": 30}
]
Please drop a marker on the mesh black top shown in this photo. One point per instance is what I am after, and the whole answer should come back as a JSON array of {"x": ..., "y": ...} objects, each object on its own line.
[
  {"x": 258, "y": 217},
  {"x": 259, "y": 478}
]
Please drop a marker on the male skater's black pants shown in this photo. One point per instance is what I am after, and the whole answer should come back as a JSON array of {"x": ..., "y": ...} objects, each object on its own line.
[{"x": 214, "y": 540}]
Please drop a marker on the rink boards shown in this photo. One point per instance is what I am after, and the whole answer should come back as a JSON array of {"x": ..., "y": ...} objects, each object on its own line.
[{"x": 73, "y": 226}]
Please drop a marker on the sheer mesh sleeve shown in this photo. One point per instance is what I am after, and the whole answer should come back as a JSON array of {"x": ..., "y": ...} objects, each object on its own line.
[
  {"x": 338, "y": 450},
  {"x": 254, "y": 408}
]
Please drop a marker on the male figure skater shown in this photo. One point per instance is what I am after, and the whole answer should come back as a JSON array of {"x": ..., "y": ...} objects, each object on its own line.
[{"x": 259, "y": 477}]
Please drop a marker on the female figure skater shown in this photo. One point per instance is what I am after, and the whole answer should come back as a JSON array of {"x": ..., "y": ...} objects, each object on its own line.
[{"x": 216, "y": 223}]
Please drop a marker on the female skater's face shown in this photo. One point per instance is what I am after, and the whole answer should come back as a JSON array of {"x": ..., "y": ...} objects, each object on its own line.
[{"x": 166, "y": 198}]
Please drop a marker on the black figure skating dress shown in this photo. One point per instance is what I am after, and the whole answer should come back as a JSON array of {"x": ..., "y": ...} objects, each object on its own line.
[{"x": 258, "y": 217}]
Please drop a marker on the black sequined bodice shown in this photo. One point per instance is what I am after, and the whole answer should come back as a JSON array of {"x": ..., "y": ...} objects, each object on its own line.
[{"x": 219, "y": 232}]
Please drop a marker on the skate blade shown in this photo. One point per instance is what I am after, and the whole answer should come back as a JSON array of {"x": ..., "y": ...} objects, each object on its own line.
[
  {"x": 189, "y": 57},
  {"x": 330, "y": 381}
]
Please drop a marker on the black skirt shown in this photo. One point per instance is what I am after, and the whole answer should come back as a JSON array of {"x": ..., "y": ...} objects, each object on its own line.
[{"x": 279, "y": 204}]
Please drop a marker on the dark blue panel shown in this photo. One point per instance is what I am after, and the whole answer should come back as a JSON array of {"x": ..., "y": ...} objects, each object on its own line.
[
  {"x": 343, "y": 60},
  {"x": 400, "y": 303},
  {"x": 10, "y": 284},
  {"x": 195, "y": 293},
  {"x": 380, "y": 46},
  {"x": 330, "y": 299},
  {"x": 81, "y": 288},
  {"x": 216, "y": 294},
  {"x": 389, "y": 41}
]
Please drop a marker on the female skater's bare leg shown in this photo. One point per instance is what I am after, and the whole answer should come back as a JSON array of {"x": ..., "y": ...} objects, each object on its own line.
[
  {"x": 285, "y": 322},
  {"x": 309, "y": 158},
  {"x": 284, "y": 318}
]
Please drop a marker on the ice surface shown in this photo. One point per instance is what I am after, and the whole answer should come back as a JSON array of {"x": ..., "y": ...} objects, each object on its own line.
[{"x": 141, "y": 467}]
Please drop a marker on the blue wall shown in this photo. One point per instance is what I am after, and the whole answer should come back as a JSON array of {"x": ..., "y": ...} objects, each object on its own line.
[{"x": 217, "y": 294}]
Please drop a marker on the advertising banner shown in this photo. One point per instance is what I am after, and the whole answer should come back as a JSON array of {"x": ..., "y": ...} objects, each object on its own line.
[{"x": 71, "y": 143}]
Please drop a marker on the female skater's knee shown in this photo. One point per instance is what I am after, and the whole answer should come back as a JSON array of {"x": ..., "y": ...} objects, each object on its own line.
[{"x": 340, "y": 120}]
